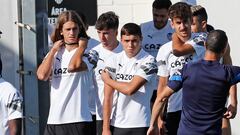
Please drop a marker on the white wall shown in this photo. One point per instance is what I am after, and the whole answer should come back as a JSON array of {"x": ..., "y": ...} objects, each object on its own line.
[
  {"x": 9, "y": 41},
  {"x": 137, "y": 11},
  {"x": 222, "y": 15}
]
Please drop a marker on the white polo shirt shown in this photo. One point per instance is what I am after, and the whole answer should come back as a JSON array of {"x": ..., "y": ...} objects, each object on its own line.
[
  {"x": 69, "y": 91},
  {"x": 154, "y": 38},
  {"x": 10, "y": 105},
  {"x": 103, "y": 55},
  {"x": 133, "y": 111}
]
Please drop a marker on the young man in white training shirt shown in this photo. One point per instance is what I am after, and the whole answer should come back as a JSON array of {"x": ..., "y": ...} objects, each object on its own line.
[
  {"x": 11, "y": 112},
  {"x": 107, "y": 29},
  {"x": 157, "y": 32},
  {"x": 69, "y": 112},
  {"x": 169, "y": 64},
  {"x": 93, "y": 89},
  {"x": 131, "y": 72}
]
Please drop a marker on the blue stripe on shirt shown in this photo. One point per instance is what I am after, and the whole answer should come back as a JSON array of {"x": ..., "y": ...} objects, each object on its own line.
[{"x": 175, "y": 78}]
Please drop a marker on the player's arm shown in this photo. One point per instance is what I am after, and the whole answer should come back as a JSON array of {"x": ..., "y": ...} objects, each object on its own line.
[
  {"x": 45, "y": 68},
  {"x": 15, "y": 126},
  {"x": 163, "y": 74},
  {"x": 107, "y": 108},
  {"x": 173, "y": 85},
  {"x": 181, "y": 48},
  {"x": 233, "y": 89},
  {"x": 77, "y": 64},
  {"x": 127, "y": 88},
  {"x": 162, "y": 83},
  {"x": 232, "y": 108},
  {"x": 158, "y": 107}
]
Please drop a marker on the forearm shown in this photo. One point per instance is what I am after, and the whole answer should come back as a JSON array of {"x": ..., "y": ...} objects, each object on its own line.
[
  {"x": 15, "y": 126},
  {"x": 127, "y": 88},
  {"x": 76, "y": 62},
  {"x": 161, "y": 85},
  {"x": 119, "y": 86},
  {"x": 233, "y": 95},
  {"x": 45, "y": 68},
  {"x": 157, "y": 108},
  {"x": 107, "y": 106},
  {"x": 159, "y": 104}
]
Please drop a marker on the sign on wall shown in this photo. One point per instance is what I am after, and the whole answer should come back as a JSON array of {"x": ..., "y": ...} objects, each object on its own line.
[{"x": 86, "y": 7}]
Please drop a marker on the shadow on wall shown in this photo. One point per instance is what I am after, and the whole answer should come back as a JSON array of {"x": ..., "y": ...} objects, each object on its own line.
[{"x": 10, "y": 63}]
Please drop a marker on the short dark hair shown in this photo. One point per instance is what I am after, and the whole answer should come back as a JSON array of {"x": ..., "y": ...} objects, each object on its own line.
[
  {"x": 181, "y": 10},
  {"x": 200, "y": 12},
  {"x": 161, "y": 4},
  {"x": 108, "y": 20},
  {"x": 217, "y": 41},
  {"x": 131, "y": 29},
  {"x": 209, "y": 28}
]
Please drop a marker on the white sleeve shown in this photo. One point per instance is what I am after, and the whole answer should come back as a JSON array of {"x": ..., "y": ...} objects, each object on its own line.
[
  {"x": 148, "y": 68},
  {"x": 14, "y": 105},
  {"x": 110, "y": 65},
  {"x": 162, "y": 62},
  {"x": 197, "y": 42}
]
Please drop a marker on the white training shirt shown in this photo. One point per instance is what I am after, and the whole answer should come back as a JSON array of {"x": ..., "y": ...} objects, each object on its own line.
[
  {"x": 133, "y": 111},
  {"x": 10, "y": 105},
  {"x": 93, "y": 89},
  {"x": 69, "y": 91},
  {"x": 103, "y": 55},
  {"x": 169, "y": 64},
  {"x": 154, "y": 38}
]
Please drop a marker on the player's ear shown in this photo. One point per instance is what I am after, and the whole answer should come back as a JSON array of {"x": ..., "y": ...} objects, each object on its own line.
[
  {"x": 204, "y": 25},
  {"x": 171, "y": 22}
]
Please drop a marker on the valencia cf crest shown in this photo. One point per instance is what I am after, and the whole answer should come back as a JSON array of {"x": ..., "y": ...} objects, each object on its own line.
[{"x": 58, "y": 1}]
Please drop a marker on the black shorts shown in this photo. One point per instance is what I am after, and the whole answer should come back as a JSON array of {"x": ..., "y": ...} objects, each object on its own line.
[
  {"x": 79, "y": 128},
  {"x": 93, "y": 125},
  {"x": 129, "y": 131},
  {"x": 172, "y": 122},
  {"x": 99, "y": 125}
]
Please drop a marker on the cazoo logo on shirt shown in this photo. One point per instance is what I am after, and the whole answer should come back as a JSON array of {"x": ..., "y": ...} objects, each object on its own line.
[
  {"x": 182, "y": 61},
  {"x": 60, "y": 71},
  {"x": 124, "y": 76},
  {"x": 152, "y": 47}
]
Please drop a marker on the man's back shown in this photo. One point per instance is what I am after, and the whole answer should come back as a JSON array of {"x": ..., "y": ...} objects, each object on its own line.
[{"x": 204, "y": 99}]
